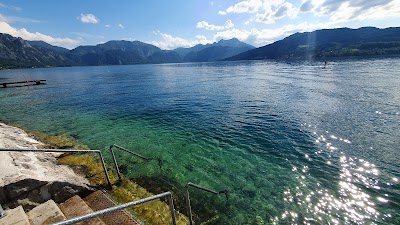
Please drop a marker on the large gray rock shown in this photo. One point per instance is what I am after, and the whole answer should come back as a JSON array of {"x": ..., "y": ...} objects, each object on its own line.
[
  {"x": 22, "y": 186},
  {"x": 32, "y": 178},
  {"x": 46, "y": 213},
  {"x": 15, "y": 216},
  {"x": 32, "y": 197}
]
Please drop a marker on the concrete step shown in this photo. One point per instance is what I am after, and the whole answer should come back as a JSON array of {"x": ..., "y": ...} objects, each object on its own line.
[
  {"x": 99, "y": 200},
  {"x": 75, "y": 206},
  {"x": 16, "y": 216},
  {"x": 46, "y": 213}
]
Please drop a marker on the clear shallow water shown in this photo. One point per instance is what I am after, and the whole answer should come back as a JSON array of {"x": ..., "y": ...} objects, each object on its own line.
[{"x": 293, "y": 143}]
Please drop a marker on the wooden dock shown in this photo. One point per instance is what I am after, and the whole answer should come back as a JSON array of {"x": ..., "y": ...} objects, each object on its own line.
[{"x": 22, "y": 83}]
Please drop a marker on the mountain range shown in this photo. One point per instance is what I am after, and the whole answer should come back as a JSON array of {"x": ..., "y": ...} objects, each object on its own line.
[
  {"x": 328, "y": 43},
  {"x": 319, "y": 44},
  {"x": 16, "y": 52}
]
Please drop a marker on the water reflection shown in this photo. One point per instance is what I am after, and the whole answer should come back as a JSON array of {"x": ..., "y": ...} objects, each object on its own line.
[
  {"x": 235, "y": 125},
  {"x": 356, "y": 199}
]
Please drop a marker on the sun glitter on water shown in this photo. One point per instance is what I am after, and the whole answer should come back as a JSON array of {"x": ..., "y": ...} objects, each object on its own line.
[{"x": 356, "y": 198}]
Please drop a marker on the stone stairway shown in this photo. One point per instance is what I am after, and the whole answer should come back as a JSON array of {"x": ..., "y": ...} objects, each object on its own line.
[
  {"x": 75, "y": 206},
  {"x": 50, "y": 212}
]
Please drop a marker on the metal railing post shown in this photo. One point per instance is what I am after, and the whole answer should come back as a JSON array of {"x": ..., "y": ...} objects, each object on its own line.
[
  {"x": 130, "y": 152},
  {"x": 189, "y": 207},
  {"x": 115, "y": 162},
  {"x": 172, "y": 208},
  {"x": 105, "y": 170}
]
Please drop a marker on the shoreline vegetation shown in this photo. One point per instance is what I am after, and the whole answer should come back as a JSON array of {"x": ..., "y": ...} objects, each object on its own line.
[{"x": 88, "y": 166}]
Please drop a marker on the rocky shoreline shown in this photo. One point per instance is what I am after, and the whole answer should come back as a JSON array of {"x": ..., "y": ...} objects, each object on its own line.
[{"x": 29, "y": 178}]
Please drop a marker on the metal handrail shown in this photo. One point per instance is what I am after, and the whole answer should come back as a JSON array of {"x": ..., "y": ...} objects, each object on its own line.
[
  {"x": 123, "y": 206},
  {"x": 188, "y": 206},
  {"x": 63, "y": 151},
  {"x": 132, "y": 153},
  {"x": 112, "y": 209}
]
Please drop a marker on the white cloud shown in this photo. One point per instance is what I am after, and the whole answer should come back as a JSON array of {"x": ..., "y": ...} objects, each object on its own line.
[
  {"x": 339, "y": 11},
  {"x": 169, "y": 42},
  {"x": 252, "y": 6},
  {"x": 24, "y": 34},
  {"x": 343, "y": 13},
  {"x": 391, "y": 10},
  {"x": 269, "y": 11},
  {"x": 229, "y": 24},
  {"x": 271, "y": 3},
  {"x": 222, "y": 13},
  {"x": 256, "y": 37},
  {"x": 266, "y": 11},
  {"x": 232, "y": 33},
  {"x": 121, "y": 26},
  {"x": 261, "y": 37},
  {"x": 348, "y": 10},
  {"x": 107, "y": 25},
  {"x": 207, "y": 26},
  {"x": 306, "y": 6},
  {"x": 202, "y": 39},
  {"x": 281, "y": 11},
  {"x": 249, "y": 6},
  {"x": 15, "y": 8},
  {"x": 88, "y": 18},
  {"x": 286, "y": 10}
]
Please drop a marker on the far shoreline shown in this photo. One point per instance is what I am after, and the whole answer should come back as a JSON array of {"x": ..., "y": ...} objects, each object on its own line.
[{"x": 332, "y": 59}]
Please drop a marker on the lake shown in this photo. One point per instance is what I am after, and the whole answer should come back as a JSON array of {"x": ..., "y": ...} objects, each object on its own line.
[{"x": 291, "y": 141}]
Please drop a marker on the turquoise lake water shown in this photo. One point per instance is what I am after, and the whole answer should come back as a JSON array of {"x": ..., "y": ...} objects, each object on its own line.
[{"x": 291, "y": 141}]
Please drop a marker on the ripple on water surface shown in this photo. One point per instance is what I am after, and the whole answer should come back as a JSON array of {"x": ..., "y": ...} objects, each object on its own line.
[{"x": 292, "y": 143}]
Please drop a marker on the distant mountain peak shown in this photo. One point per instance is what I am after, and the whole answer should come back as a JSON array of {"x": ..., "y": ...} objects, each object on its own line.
[
  {"x": 234, "y": 42},
  {"x": 229, "y": 40},
  {"x": 213, "y": 52},
  {"x": 45, "y": 45}
]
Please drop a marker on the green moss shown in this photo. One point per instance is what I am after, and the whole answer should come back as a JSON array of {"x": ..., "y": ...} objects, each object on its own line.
[
  {"x": 61, "y": 141},
  {"x": 92, "y": 167},
  {"x": 154, "y": 212}
]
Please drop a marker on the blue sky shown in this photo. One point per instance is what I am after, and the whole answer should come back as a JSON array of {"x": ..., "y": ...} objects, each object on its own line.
[{"x": 185, "y": 23}]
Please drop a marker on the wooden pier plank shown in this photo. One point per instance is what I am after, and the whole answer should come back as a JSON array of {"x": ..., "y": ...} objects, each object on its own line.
[{"x": 26, "y": 82}]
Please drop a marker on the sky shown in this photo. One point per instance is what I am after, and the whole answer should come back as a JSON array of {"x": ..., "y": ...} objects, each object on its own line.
[{"x": 170, "y": 24}]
